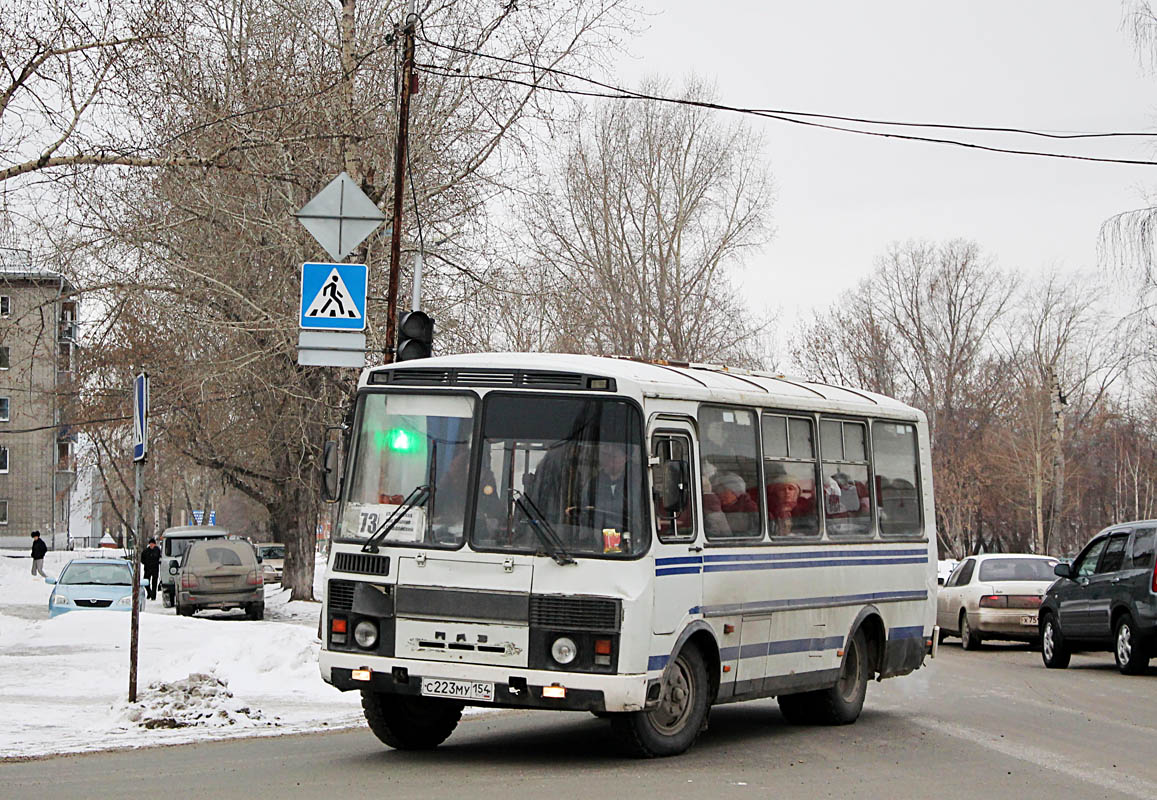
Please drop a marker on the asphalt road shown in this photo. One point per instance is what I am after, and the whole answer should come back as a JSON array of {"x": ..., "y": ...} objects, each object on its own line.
[{"x": 987, "y": 724}]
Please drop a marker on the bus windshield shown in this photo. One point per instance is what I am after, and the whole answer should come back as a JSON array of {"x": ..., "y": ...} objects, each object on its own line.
[
  {"x": 561, "y": 472},
  {"x": 412, "y": 451}
]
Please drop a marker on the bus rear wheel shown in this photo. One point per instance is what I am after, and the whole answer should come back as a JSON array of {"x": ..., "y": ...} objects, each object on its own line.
[
  {"x": 841, "y": 704},
  {"x": 673, "y": 725},
  {"x": 410, "y": 723}
]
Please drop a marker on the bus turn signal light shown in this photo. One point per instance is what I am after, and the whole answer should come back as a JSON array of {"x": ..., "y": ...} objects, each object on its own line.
[
  {"x": 603, "y": 647},
  {"x": 337, "y": 625}
]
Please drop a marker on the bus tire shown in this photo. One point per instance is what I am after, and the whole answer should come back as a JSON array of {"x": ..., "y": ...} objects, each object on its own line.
[
  {"x": 410, "y": 723},
  {"x": 673, "y": 725}
]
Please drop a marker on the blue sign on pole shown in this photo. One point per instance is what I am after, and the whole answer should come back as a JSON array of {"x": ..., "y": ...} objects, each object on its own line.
[
  {"x": 333, "y": 297},
  {"x": 141, "y": 417}
]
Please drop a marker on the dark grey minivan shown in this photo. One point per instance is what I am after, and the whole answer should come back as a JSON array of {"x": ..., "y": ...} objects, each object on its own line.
[{"x": 1106, "y": 599}]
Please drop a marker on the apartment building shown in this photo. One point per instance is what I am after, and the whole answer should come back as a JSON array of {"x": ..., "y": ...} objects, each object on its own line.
[{"x": 38, "y": 351}]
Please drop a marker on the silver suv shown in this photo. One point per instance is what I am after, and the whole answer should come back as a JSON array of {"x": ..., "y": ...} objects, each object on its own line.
[{"x": 220, "y": 573}]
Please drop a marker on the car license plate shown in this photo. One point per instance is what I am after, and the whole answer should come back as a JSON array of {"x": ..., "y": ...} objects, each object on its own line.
[
  {"x": 1028, "y": 620},
  {"x": 459, "y": 690}
]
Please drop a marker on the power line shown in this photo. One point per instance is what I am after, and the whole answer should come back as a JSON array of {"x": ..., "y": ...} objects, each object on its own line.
[{"x": 783, "y": 115}]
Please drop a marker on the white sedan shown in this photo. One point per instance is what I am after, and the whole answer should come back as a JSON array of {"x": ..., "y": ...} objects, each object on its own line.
[{"x": 994, "y": 596}]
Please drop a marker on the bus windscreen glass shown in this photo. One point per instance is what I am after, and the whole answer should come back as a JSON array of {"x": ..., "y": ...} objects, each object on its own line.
[
  {"x": 411, "y": 446},
  {"x": 567, "y": 470}
]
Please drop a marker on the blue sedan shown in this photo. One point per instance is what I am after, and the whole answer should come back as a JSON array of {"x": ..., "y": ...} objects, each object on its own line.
[{"x": 93, "y": 583}]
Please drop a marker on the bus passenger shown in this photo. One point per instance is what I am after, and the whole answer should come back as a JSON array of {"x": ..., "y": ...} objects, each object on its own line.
[{"x": 740, "y": 511}]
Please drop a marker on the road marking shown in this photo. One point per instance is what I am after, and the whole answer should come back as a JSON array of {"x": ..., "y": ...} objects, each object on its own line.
[{"x": 1108, "y": 779}]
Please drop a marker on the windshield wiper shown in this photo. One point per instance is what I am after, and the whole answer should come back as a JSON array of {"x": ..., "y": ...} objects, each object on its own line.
[
  {"x": 546, "y": 534},
  {"x": 416, "y": 497}
]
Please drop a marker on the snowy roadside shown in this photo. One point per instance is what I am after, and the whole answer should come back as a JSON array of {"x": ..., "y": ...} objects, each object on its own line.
[{"x": 64, "y": 681}]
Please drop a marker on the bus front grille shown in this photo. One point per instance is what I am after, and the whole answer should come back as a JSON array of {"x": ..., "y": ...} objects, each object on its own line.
[
  {"x": 574, "y": 613},
  {"x": 341, "y": 595}
]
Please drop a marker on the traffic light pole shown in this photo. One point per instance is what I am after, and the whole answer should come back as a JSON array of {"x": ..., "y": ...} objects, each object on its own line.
[{"x": 400, "y": 179}]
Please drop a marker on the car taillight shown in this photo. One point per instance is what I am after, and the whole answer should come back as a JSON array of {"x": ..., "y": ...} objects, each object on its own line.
[
  {"x": 1154, "y": 586},
  {"x": 994, "y": 601},
  {"x": 255, "y": 578},
  {"x": 188, "y": 581}
]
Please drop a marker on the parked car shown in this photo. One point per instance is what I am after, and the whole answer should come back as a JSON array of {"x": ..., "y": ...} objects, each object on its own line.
[
  {"x": 1105, "y": 600},
  {"x": 994, "y": 596},
  {"x": 222, "y": 574},
  {"x": 93, "y": 583},
  {"x": 174, "y": 542},
  {"x": 272, "y": 557}
]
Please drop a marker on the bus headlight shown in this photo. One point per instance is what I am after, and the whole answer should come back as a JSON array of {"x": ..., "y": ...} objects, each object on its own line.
[
  {"x": 366, "y": 634},
  {"x": 564, "y": 650}
]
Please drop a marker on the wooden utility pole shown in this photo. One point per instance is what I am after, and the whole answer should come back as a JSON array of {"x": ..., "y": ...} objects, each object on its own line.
[{"x": 400, "y": 178}]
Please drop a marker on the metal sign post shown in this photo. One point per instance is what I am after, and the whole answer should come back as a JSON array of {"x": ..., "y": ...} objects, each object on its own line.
[{"x": 140, "y": 453}]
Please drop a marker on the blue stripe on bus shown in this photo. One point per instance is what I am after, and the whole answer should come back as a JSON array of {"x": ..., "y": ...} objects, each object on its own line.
[
  {"x": 908, "y": 632},
  {"x": 846, "y": 562},
  {"x": 662, "y": 562},
  {"x": 657, "y": 662}
]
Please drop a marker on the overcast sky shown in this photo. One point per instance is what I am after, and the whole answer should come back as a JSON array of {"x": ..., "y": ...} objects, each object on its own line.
[{"x": 1065, "y": 65}]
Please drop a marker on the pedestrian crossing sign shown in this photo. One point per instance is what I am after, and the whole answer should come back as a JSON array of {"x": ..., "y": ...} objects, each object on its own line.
[{"x": 333, "y": 297}]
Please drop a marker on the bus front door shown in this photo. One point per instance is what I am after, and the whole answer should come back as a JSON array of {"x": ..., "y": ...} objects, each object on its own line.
[{"x": 678, "y": 549}]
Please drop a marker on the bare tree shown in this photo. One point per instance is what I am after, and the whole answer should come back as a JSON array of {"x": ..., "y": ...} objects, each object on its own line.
[
  {"x": 634, "y": 235},
  {"x": 1064, "y": 355},
  {"x": 920, "y": 328},
  {"x": 197, "y": 271}
]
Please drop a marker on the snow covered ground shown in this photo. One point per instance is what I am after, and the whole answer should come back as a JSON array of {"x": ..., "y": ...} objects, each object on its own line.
[{"x": 64, "y": 681}]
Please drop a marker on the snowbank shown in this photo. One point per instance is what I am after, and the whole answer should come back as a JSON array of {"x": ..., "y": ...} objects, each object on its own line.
[{"x": 64, "y": 681}]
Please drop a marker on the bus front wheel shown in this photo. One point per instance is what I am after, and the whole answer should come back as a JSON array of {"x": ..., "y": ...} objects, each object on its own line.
[
  {"x": 410, "y": 723},
  {"x": 673, "y": 725}
]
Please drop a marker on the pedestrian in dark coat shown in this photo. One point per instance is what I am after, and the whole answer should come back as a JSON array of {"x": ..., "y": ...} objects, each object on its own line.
[
  {"x": 151, "y": 559},
  {"x": 39, "y": 548}
]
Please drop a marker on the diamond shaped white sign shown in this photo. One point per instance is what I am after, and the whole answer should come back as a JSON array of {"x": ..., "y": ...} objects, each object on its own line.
[{"x": 340, "y": 217}]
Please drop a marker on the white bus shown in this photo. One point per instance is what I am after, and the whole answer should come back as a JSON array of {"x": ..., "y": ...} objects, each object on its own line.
[{"x": 637, "y": 540}]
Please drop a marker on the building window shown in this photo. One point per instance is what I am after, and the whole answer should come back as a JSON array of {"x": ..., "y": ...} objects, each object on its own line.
[
  {"x": 5, "y": 409},
  {"x": 3, "y": 459},
  {"x": 64, "y": 456},
  {"x": 5, "y": 305},
  {"x": 4, "y": 357},
  {"x": 3, "y": 512}
]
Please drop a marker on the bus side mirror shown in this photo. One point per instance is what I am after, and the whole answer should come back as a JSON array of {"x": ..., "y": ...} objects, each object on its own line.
[
  {"x": 329, "y": 473},
  {"x": 675, "y": 491}
]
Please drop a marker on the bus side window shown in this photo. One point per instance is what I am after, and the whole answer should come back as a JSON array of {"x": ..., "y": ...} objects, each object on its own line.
[
  {"x": 673, "y": 451},
  {"x": 844, "y": 475},
  {"x": 729, "y": 448}
]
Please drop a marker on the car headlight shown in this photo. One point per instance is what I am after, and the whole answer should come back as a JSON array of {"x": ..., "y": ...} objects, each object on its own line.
[
  {"x": 366, "y": 634},
  {"x": 60, "y": 600},
  {"x": 563, "y": 650},
  {"x": 127, "y": 600}
]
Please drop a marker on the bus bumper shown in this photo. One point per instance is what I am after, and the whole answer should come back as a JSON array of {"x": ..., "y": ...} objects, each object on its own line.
[{"x": 513, "y": 687}]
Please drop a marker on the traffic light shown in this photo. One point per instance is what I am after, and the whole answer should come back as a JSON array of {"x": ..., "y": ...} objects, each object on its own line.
[{"x": 415, "y": 335}]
